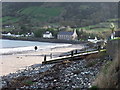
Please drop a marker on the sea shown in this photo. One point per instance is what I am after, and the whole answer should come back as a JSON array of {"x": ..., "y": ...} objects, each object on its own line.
[{"x": 8, "y": 47}]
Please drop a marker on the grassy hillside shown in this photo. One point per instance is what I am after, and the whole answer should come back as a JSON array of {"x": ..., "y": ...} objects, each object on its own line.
[
  {"x": 32, "y": 16},
  {"x": 9, "y": 19},
  {"x": 89, "y": 13},
  {"x": 33, "y": 13},
  {"x": 40, "y": 13}
]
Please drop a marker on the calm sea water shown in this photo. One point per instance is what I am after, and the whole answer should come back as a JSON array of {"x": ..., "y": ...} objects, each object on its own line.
[{"x": 13, "y": 46}]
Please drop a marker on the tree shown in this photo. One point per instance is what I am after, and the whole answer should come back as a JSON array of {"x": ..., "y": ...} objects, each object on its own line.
[
  {"x": 39, "y": 32},
  {"x": 112, "y": 27},
  {"x": 24, "y": 29}
]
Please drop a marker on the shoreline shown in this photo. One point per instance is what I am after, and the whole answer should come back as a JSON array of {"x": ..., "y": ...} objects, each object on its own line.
[
  {"x": 12, "y": 63},
  {"x": 29, "y": 47},
  {"x": 17, "y": 50},
  {"x": 43, "y": 40}
]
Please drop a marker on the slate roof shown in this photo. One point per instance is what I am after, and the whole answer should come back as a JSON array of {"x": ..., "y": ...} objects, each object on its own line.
[
  {"x": 91, "y": 38},
  {"x": 47, "y": 32},
  {"x": 117, "y": 33},
  {"x": 65, "y": 33}
]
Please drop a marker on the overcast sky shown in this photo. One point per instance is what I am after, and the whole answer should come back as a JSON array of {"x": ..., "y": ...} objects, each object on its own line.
[{"x": 60, "y": 0}]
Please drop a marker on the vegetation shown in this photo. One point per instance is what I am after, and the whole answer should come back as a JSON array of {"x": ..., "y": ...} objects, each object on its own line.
[
  {"x": 94, "y": 88},
  {"x": 108, "y": 77},
  {"x": 28, "y": 82},
  {"x": 79, "y": 14},
  {"x": 102, "y": 30},
  {"x": 38, "y": 33},
  {"x": 31, "y": 17}
]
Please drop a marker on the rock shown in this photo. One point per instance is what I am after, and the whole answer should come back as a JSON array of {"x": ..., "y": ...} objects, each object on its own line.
[{"x": 67, "y": 75}]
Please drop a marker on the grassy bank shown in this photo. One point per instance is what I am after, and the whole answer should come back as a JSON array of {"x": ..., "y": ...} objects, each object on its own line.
[
  {"x": 110, "y": 72},
  {"x": 109, "y": 75}
]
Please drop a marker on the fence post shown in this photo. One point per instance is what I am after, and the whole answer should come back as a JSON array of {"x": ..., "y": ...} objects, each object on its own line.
[
  {"x": 45, "y": 58},
  {"x": 76, "y": 51},
  {"x": 51, "y": 55},
  {"x": 72, "y": 53}
]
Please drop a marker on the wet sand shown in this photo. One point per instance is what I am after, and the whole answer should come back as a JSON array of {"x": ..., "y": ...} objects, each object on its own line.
[{"x": 12, "y": 63}]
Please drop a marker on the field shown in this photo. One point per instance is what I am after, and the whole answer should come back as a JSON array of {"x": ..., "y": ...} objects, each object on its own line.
[
  {"x": 101, "y": 28},
  {"x": 33, "y": 14}
]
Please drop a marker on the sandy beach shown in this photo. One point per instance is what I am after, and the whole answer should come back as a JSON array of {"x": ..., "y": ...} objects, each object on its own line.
[{"x": 12, "y": 63}]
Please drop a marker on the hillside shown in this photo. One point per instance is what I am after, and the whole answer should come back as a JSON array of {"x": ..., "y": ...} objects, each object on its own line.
[
  {"x": 93, "y": 18},
  {"x": 42, "y": 13}
]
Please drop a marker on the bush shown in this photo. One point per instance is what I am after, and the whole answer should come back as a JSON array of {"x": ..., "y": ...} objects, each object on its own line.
[{"x": 28, "y": 82}]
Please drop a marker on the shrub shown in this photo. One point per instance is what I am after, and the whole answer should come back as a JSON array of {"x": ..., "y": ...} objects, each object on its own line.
[
  {"x": 94, "y": 88},
  {"x": 28, "y": 82},
  {"x": 39, "y": 33}
]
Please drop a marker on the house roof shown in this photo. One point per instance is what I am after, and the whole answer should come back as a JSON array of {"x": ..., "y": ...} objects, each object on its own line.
[
  {"x": 47, "y": 32},
  {"x": 65, "y": 33},
  {"x": 117, "y": 33},
  {"x": 91, "y": 38}
]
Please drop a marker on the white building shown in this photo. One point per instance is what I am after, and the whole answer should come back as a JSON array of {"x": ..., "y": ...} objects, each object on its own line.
[
  {"x": 115, "y": 35},
  {"x": 94, "y": 40},
  {"x": 47, "y": 34}
]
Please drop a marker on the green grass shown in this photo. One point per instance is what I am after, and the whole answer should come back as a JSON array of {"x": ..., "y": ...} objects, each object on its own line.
[
  {"x": 116, "y": 38},
  {"x": 96, "y": 29},
  {"x": 94, "y": 88},
  {"x": 8, "y": 19},
  {"x": 107, "y": 65},
  {"x": 113, "y": 20},
  {"x": 103, "y": 50},
  {"x": 7, "y": 29},
  {"x": 41, "y": 13},
  {"x": 0, "y": 19},
  {"x": 37, "y": 14},
  {"x": 101, "y": 27}
]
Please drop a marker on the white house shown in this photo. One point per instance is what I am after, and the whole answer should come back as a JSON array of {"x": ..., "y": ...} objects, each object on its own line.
[
  {"x": 30, "y": 34},
  {"x": 115, "y": 35},
  {"x": 47, "y": 34},
  {"x": 8, "y": 34},
  {"x": 94, "y": 40}
]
